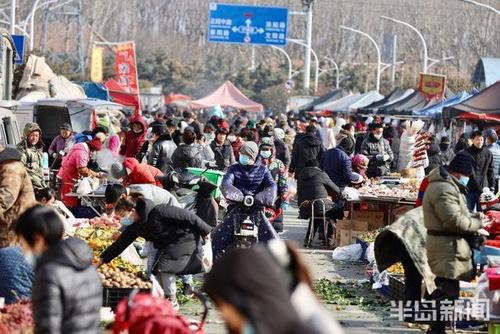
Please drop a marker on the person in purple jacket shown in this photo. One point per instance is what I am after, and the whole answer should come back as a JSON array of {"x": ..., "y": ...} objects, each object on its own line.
[
  {"x": 246, "y": 178},
  {"x": 58, "y": 145}
]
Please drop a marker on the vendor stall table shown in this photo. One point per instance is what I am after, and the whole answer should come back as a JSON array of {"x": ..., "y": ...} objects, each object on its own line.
[
  {"x": 94, "y": 200},
  {"x": 390, "y": 202}
]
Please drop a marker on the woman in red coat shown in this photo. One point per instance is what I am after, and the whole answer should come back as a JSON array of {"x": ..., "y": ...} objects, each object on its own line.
[
  {"x": 133, "y": 172},
  {"x": 134, "y": 138}
]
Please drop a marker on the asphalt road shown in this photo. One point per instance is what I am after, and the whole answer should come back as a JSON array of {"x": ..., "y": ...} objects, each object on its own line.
[{"x": 355, "y": 319}]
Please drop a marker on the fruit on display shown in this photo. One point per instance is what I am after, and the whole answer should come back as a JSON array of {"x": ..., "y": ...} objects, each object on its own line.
[
  {"x": 369, "y": 236},
  {"x": 113, "y": 277},
  {"x": 396, "y": 268},
  {"x": 16, "y": 318},
  {"x": 105, "y": 221}
]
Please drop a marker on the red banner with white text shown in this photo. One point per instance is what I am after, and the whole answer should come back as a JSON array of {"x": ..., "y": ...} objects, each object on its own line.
[{"x": 125, "y": 67}]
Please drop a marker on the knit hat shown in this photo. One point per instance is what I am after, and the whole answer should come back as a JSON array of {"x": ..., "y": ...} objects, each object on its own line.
[
  {"x": 95, "y": 144},
  {"x": 250, "y": 149},
  {"x": 66, "y": 126},
  {"x": 117, "y": 170},
  {"x": 251, "y": 124},
  {"x": 462, "y": 163},
  {"x": 491, "y": 133},
  {"x": 266, "y": 142}
]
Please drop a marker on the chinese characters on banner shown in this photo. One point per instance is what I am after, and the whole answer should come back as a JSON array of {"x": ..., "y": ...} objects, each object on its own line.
[
  {"x": 125, "y": 68},
  {"x": 96, "y": 64},
  {"x": 432, "y": 85}
]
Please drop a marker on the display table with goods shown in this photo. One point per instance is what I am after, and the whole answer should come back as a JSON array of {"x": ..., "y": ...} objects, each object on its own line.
[
  {"x": 16, "y": 318},
  {"x": 392, "y": 192},
  {"x": 124, "y": 273}
]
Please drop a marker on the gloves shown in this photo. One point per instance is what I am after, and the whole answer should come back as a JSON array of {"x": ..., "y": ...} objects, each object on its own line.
[{"x": 284, "y": 206}]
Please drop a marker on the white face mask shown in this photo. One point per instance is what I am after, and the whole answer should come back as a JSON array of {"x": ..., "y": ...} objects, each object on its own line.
[
  {"x": 377, "y": 136},
  {"x": 231, "y": 138}
]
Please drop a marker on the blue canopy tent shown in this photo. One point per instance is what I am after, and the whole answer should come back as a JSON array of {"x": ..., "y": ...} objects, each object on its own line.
[
  {"x": 436, "y": 110},
  {"x": 96, "y": 90}
]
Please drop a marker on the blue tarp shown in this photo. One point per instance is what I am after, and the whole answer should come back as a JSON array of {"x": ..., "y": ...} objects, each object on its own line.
[
  {"x": 436, "y": 109},
  {"x": 96, "y": 90}
]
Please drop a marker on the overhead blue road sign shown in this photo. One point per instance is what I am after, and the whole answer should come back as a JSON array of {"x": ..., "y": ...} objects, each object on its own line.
[
  {"x": 229, "y": 23},
  {"x": 19, "y": 45}
]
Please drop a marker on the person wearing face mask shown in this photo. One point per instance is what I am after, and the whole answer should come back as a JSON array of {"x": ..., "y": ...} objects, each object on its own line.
[
  {"x": 447, "y": 153},
  {"x": 279, "y": 174},
  {"x": 135, "y": 137},
  {"x": 176, "y": 234},
  {"x": 246, "y": 178},
  {"x": 67, "y": 290},
  {"x": 162, "y": 149},
  {"x": 222, "y": 149},
  {"x": 379, "y": 151},
  {"x": 31, "y": 148},
  {"x": 450, "y": 227},
  {"x": 482, "y": 176}
]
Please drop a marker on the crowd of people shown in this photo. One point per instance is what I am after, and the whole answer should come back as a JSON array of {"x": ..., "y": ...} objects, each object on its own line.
[{"x": 259, "y": 158}]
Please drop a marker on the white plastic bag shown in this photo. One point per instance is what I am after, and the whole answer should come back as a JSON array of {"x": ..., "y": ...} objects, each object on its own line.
[
  {"x": 207, "y": 259},
  {"x": 84, "y": 187},
  {"x": 348, "y": 253},
  {"x": 130, "y": 255},
  {"x": 370, "y": 252},
  {"x": 292, "y": 186},
  {"x": 156, "y": 290}
]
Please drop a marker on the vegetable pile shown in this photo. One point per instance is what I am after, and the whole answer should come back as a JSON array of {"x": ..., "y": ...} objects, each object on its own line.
[{"x": 113, "y": 277}]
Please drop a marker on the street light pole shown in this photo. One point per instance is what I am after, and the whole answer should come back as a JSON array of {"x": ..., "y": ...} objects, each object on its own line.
[
  {"x": 426, "y": 54},
  {"x": 12, "y": 17},
  {"x": 377, "y": 48},
  {"x": 308, "y": 4},
  {"x": 287, "y": 58},
  {"x": 316, "y": 75},
  {"x": 493, "y": 9},
  {"x": 337, "y": 81}
]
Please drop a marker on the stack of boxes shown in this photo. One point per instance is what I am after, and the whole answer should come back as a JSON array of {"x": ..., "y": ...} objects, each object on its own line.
[{"x": 362, "y": 221}]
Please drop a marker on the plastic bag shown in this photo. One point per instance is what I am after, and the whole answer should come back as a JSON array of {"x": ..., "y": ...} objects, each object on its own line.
[
  {"x": 130, "y": 255},
  {"x": 84, "y": 187},
  {"x": 207, "y": 259},
  {"x": 292, "y": 186},
  {"x": 370, "y": 253},
  {"x": 156, "y": 290},
  {"x": 348, "y": 253}
]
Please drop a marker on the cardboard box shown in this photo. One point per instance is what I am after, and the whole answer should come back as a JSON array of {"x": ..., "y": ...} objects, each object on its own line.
[
  {"x": 344, "y": 239},
  {"x": 375, "y": 219},
  {"x": 342, "y": 231}
]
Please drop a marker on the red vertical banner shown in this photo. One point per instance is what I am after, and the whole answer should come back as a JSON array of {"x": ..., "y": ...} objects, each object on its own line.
[{"x": 126, "y": 69}]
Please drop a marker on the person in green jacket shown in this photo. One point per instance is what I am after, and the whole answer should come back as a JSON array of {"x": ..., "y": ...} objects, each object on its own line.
[
  {"x": 31, "y": 148},
  {"x": 450, "y": 227}
]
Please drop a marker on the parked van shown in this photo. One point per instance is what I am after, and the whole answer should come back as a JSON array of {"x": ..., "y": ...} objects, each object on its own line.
[
  {"x": 10, "y": 133},
  {"x": 50, "y": 114}
]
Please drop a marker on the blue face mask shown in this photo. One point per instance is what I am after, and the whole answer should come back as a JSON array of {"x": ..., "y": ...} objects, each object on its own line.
[
  {"x": 463, "y": 180},
  {"x": 265, "y": 154},
  {"x": 248, "y": 329},
  {"x": 244, "y": 160},
  {"x": 126, "y": 221}
]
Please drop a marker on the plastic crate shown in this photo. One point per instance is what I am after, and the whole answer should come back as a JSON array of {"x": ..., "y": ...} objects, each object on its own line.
[
  {"x": 112, "y": 296},
  {"x": 214, "y": 176}
]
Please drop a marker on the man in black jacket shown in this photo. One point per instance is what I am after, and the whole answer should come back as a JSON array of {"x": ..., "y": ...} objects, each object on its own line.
[
  {"x": 176, "y": 233},
  {"x": 222, "y": 149},
  {"x": 163, "y": 148},
  {"x": 379, "y": 151},
  {"x": 306, "y": 147},
  {"x": 482, "y": 177}
]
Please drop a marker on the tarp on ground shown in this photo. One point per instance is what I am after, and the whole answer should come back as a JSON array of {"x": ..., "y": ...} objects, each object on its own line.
[
  {"x": 436, "y": 109},
  {"x": 328, "y": 97},
  {"x": 365, "y": 100},
  {"x": 483, "y": 106},
  {"x": 228, "y": 95},
  {"x": 119, "y": 94},
  {"x": 96, "y": 90},
  {"x": 339, "y": 104},
  {"x": 396, "y": 95},
  {"x": 487, "y": 71}
]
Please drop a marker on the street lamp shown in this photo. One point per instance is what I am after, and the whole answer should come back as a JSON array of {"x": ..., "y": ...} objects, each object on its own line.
[
  {"x": 31, "y": 18},
  {"x": 426, "y": 55},
  {"x": 307, "y": 5},
  {"x": 287, "y": 58},
  {"x": 336, "y": 70},
  {"x": 379, "y": 57},
  {"x": 316, "y": 75},
  {"x": 493, "y": 9}
]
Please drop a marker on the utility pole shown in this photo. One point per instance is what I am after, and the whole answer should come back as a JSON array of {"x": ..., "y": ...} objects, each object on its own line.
[
  {"x": 12, "y": 17},
  {"x": 394, "y": 57},
  {"x": 307, "y": 6}
]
